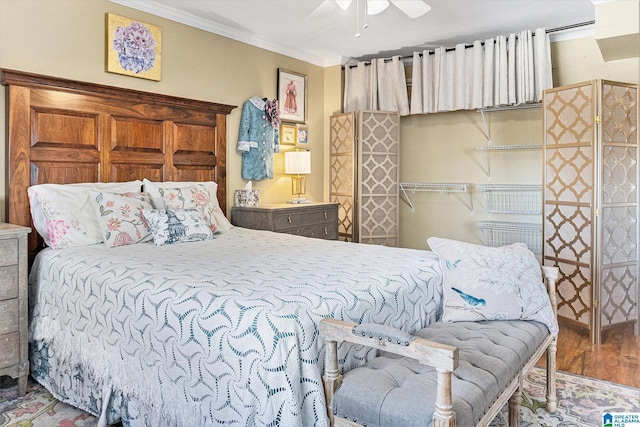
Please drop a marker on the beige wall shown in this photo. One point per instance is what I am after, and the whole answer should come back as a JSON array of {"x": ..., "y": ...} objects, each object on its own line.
[
  {"x": 443, "y": 148},
  {"x": 65, "y": 38}
]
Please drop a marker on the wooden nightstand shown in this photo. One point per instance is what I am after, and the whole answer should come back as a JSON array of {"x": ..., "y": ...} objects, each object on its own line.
[
  {"x": 14, "y": 358},
  {"x": 318, "y": 220}
]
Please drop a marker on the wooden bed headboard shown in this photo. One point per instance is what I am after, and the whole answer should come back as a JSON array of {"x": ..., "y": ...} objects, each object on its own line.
[{"x": 63, "y": 131}]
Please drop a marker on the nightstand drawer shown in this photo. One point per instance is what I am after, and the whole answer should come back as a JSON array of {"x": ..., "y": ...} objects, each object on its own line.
[
  {"x": 301, "y": 218},
  {"x": 8, "y": 282},
  {"x": 9, "y": 349},
  {"x": 8, "y": 251},
  {"x": 9, "y": 316}
]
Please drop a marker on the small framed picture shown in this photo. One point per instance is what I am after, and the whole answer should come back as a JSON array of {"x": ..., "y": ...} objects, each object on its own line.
[
  {"x": 303, "y": 135},
  {"x": 288, "y": 134},
  {"x": 292, "y": 96}
]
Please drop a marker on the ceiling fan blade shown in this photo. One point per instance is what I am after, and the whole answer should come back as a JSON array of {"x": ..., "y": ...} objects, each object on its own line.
[
  {"x": 376, "y": 6},
  {"x": 326, "y": 8},
  {"x": 412, "y": 8},
  {"x": 344, "y": 4}
]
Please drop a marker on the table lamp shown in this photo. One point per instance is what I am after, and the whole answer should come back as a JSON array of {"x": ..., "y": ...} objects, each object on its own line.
[{"x": 298, "y": 164}]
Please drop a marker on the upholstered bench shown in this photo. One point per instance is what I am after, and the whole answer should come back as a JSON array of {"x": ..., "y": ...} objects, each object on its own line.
[{"x": 445, "y": 374}]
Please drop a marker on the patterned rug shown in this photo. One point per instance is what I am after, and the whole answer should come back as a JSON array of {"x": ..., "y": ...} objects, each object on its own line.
[{"x": 581, "y": 401}]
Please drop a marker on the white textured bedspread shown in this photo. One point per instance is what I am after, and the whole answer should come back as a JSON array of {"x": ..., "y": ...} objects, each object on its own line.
[{"x": 223, "y": 331}]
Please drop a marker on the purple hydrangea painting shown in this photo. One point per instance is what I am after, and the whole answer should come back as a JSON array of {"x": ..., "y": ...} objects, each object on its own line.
[{"x": 136, "y": 47}]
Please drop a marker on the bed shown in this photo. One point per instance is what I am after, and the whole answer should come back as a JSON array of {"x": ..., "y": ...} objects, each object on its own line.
[{"x": 219, "y": 331}]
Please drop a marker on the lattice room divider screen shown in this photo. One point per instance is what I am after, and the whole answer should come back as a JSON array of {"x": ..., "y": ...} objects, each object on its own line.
[
  {"x": 364, "y": 175},
  {"x": 591, "y": 202}
]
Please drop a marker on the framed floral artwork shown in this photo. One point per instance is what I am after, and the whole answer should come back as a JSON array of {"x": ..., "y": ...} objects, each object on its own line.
[
  {"x": 292, "y": 96},
  {"x": 303, "y": 135},
  {"x": 133, "y": 48},
  {"x": 288, "y": 134}
]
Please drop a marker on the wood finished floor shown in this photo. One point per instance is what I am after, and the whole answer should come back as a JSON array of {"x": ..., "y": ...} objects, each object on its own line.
[{"x": 617, "y": 359}]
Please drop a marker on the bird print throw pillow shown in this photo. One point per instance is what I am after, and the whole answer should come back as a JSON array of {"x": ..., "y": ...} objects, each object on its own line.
[{"x": 486, "y": 283}]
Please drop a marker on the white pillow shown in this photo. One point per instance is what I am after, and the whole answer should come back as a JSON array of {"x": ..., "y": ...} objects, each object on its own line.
[
  {"x": 157, "y": 190},
  {"x": 486, "y": 283},
  {"x": 120, "y": 217},
  {"x": 63, "y": 214},
  {"x": 176, "y": 226}
]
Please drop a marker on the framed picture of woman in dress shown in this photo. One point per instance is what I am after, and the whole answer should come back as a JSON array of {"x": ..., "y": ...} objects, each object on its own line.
[{"x": 292, "y": 96}]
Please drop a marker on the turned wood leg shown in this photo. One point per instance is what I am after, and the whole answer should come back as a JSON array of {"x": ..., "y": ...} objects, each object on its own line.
[
  {"x": 552, "y": 399},
  {"x": 515, "y": 402},
  {"x": 331, "y": 378},
  {"x": 443, "y": 415}
]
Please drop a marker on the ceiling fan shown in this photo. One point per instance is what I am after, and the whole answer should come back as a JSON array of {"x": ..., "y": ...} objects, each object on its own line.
[{"x": 411, "y": 8}]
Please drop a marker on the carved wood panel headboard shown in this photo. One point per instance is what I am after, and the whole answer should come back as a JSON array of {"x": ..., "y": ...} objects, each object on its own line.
[{"x": 63, "y": 131}]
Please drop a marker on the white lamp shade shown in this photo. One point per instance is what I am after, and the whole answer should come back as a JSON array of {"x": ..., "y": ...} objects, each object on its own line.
[{"x": 297, "y": 162}]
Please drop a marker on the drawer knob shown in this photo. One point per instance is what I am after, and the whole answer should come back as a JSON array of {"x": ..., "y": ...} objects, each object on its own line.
[
  {"x": 325, "y": 214},
  {"x": 326, "y": 232},
  {"x": 289, "y": 218}
]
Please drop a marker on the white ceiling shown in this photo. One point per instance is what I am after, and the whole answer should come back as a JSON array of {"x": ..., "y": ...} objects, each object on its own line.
[{"x": 319, "y": 32}]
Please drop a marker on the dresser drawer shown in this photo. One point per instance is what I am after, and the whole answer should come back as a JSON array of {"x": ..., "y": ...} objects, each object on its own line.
[
  {"x": 8, "y": 251},
  {"x": 319, "y": 220},
  {"x": 9, "y": 349},
  {"x": 8, "y": 282},
  {"x": 9, "y": 316},
  {"x": 327, "y": 231},
  {"x": 301, "y": 218}
]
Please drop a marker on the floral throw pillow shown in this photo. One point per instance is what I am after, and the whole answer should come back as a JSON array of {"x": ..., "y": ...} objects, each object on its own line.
[
  {"x": 175, "y": 226},
  {"x": 486, "y": 283},
  {"x": 156, "y": 190},
  {"x": 120, "y": 217},
  {"x": 63, "y": 214},
  {"x": 194, "y": 197}
]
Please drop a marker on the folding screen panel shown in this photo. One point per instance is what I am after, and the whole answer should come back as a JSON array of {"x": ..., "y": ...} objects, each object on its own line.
[{"x": 591, "y": 202}]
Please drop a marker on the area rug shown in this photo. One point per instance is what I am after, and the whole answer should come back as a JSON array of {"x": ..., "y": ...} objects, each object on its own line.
[{"x": 582, "y": 402}]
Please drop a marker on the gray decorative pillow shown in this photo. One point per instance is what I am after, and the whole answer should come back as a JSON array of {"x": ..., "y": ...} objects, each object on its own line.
[
  {"x": 487, "y": 283},
  {"x": 174, "y": 226}
]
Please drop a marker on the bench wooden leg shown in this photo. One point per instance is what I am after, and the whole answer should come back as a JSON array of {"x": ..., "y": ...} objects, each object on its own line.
[
  {"x": 443, "y": 415},
  {"x": 331, "y": 378},
  {"x": 515, "y": 402},
  {"x": 552, "y": 399}
]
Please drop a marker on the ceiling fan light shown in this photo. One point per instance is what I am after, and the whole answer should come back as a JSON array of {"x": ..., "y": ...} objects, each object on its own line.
[
  {"x": 376, "y": 6},
  {"x": 412, "y": 8},
  {"x": 344, "y": 4}
]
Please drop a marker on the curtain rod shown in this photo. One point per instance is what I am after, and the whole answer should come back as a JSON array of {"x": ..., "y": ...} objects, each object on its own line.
[{"x": 467, "y": 46}]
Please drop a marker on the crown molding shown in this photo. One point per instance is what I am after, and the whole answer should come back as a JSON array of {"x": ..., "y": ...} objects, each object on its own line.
[
  {"x": 154, "y": 8},
  {"x": 172, "y": 14},
  {"x": 573, "y": 33}
]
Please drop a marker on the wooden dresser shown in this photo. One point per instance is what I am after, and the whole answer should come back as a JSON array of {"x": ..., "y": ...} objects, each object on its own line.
[
  {"x": 318, "y": 220},
  {"x": 14, "y": 359}
]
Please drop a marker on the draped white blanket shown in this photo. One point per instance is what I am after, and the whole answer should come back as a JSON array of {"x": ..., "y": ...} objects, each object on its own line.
[{"x": 222, "y": 331}]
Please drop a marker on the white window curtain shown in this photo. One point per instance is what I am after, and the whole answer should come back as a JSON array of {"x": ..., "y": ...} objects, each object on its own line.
[
  {"x": 361, "y": 87},
  {"x": 499, "y": 71},
  {"x": 380, "y": 85}
]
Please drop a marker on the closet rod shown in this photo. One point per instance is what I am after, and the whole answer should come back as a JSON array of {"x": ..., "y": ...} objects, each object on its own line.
[{"x": 467, "y": 46}]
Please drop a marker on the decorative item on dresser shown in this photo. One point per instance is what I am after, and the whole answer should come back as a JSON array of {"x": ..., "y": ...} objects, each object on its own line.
[
  {"x": 318, "y": 220},
  {"x": 14, "y": 359},
  {"x": 297, "y": 163}
]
